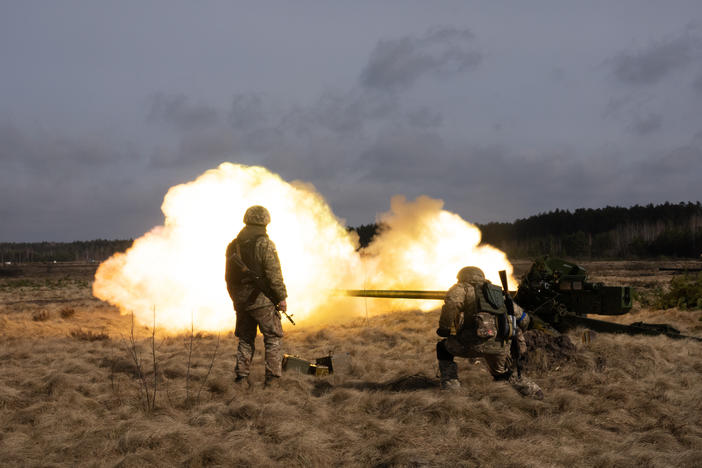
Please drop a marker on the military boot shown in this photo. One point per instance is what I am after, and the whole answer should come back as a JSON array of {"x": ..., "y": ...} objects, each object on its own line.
[
  {"x": 526, "y": 386},
  {"x": 449, "y": 375},
  {"x": 272, "y": 381},
  {"x": 242, "y": 382}
]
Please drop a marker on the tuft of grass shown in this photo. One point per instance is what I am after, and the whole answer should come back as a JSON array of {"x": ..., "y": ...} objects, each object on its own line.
[
  {"x": 68, "y": 312},
  {"x": 20, "y": 283},
  {"x": 40, "y": 316},
  {"x": 685, "y": 292},
  {"x": 89, "y": 335}
]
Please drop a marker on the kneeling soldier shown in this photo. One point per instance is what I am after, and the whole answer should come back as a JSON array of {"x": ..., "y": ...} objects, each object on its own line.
[{"x": 476, "y": 324}]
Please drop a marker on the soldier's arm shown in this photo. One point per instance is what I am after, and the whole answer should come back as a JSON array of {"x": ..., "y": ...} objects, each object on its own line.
[
  {"x": 451, "y": 308},
  {"x": 227, "y": 272},
  {"x": 523, "y": 318},
  {"x": 272, "y": 270}
]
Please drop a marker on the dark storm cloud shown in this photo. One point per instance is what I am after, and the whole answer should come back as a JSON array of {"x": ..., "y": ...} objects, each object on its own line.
[
  {"x": 256, "y": 132},
  {"x": 57, "y": 155},
  {"x": 343, "y": 113},
  {"x": 360, "y": 145},
  {"x": 362, "y": 113},
  {"x": 59, "y": 188},
  {"x": 651, "y": 65},
  {"x": 634, "y": 113},
  {"x": 472, "y": 180},
  {"x": 247, "y": 111},
  {"x": 615, "y": 105},
  {"x": 205, "y": 139},
  {"x": 424, "y": 117},
  {"x": 176, "y": 110},
  {"x": 405, "y": 154},
  {"x": 423, "y": 159},
  {"x": 205, "y": 145},
  {"x": 397, "y": 63},
  {"x": 645, "y": 125},
  {"x": 567, "y": 181},
  {"x": 675, "y": 164},
  {"x": 316, "y": 139},
  {"x": 671, "y": 176},
  {"x": 500, "y": 183}
]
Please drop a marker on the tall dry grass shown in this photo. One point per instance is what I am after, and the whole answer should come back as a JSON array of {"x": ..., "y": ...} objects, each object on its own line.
[{"x": 64, "y": 400}]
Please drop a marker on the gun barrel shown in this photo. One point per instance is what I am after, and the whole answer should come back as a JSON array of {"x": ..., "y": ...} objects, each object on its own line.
[{"x": 394, "y": 294}]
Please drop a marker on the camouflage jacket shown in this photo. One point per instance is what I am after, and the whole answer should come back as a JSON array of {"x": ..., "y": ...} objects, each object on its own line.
[
  {"x": 459, "y": 302},
  {"x": 259, "y": 254}
]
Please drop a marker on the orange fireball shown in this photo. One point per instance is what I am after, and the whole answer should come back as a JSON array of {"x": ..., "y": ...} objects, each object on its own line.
[{"x": 178, "y": 268}]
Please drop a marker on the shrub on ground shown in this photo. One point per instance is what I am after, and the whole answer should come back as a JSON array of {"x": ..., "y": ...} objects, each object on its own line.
[
  {"x": 89, "y": 335},
  {"x": 685, "y": 292},
  {"x": 40, "y": 316}
]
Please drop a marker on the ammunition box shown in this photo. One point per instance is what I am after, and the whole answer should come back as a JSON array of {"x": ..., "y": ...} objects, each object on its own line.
[
  {"x": 325, "y": 361},
  {"x": 318, "y": 370},
  {"x": 295, "y": 363}
]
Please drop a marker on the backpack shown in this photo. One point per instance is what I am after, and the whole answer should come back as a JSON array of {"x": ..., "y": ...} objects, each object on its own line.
[
  {"x": 233, "y": 274},
  {"x": 491, "y": 326}
]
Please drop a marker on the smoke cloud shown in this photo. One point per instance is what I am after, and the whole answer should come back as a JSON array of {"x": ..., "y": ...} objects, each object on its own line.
[
  {"x": 651, "y": 65},
  {"x": 176, "y": 271},
  {"x": 398, "y": 63}
]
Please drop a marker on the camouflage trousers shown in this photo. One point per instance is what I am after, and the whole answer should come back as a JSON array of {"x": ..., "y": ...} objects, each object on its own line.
[
  {"x": 247, "y": 322},
  {"x": 499, "y": 365}
]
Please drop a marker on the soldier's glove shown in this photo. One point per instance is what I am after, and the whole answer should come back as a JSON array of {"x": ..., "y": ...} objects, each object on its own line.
[{"x": 443, "y": 332}]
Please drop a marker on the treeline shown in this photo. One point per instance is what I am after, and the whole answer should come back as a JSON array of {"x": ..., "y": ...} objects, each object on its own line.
[
  {"x": 87, "y": 251},
  {"x": 668, "y": 229},
  {"x": 366, "y": 233}
]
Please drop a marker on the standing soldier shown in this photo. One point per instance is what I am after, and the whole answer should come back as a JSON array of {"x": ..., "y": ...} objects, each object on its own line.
[
  {"x": 255, "y": 284},
  {"x": 475, "y": 323}
]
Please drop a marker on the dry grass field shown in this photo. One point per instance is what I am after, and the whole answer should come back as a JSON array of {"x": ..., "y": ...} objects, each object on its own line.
[{"x": 70, "y": 392}]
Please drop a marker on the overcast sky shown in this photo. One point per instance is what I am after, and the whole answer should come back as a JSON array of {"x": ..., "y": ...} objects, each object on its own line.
[{"x": 501, "y": 109}]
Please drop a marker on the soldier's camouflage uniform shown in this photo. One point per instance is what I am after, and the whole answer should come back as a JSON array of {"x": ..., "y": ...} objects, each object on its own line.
[
  {"x": 461, "y": 307},
  {"x": 256, "y": 310}
]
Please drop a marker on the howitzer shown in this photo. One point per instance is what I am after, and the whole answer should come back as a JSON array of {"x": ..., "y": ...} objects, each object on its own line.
[
  {"x": 558, "y": 296},
  {"x": 555, "y": 290}
]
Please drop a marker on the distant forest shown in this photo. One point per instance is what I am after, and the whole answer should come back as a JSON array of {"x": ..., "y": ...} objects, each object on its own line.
[
  {"x": 666, "y": 230},
  {"x": 77, "y": 251},
  {"x": 669, "y": 230}
]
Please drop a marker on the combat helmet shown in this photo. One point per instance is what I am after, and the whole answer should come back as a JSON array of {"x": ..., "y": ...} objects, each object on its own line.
[
  {"x": 470, "y": 274},
  {"x": 257, "y": 215}
]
